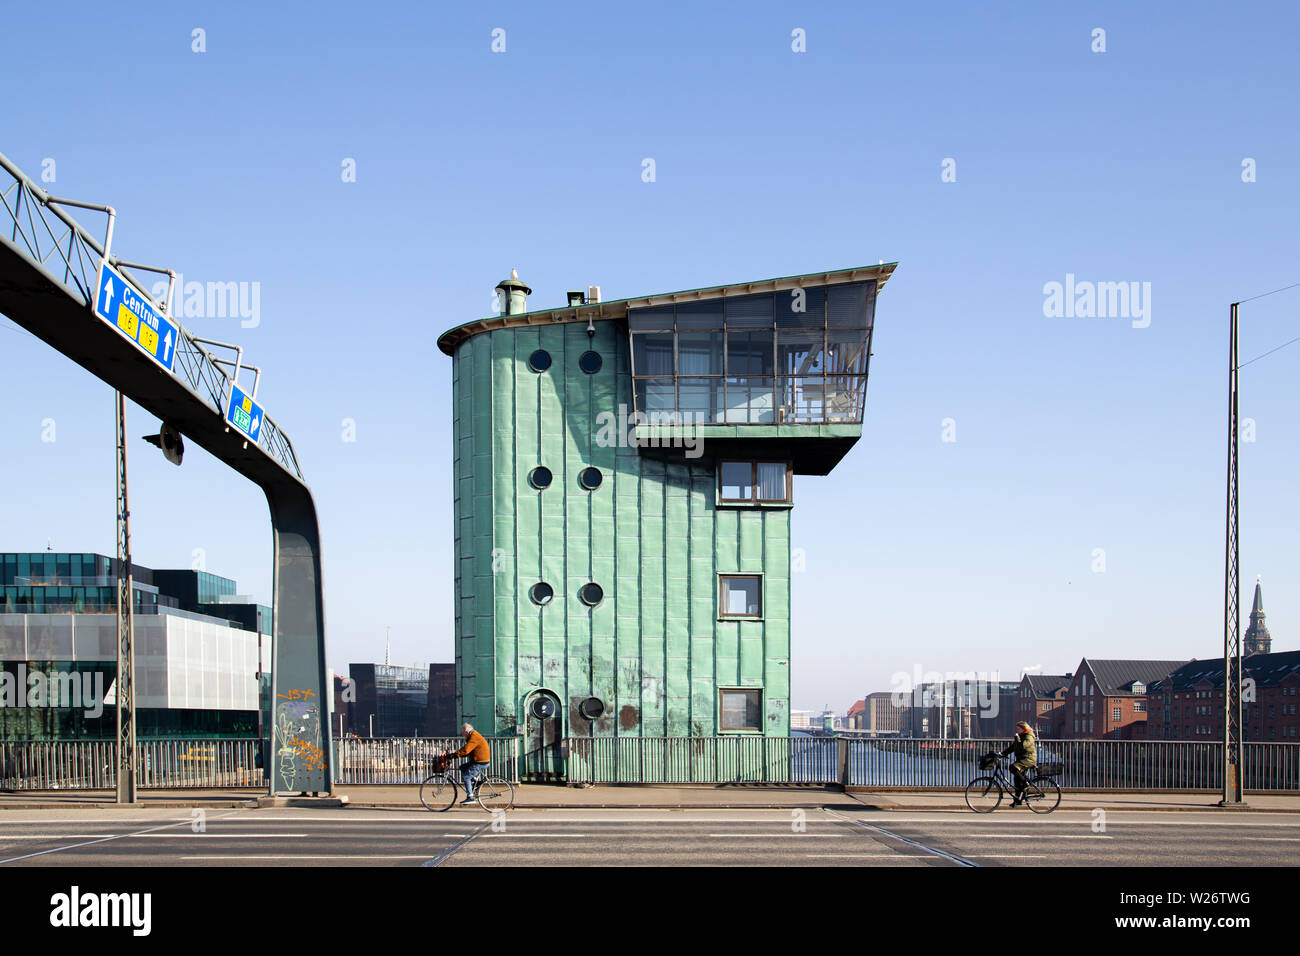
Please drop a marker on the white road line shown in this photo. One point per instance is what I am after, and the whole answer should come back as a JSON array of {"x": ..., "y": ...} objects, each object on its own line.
[
  {"x": 779, "y": 834},
  {"x": 52, "y": 836},
  {"x": 536, "y": 836},
  {"x": 866, "y": 856},
  {"x": 216, "y": 836},
  {"x": 356, "y": 856},
  {"x": 979, "y": 835},
  {"x": 75, "y": 846}
]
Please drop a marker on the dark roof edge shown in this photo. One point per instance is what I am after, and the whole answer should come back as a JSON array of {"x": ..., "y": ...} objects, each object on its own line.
[{"x": 617, "y": 308}]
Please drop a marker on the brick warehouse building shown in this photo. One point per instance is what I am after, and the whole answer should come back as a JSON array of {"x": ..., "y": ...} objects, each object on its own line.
[
  {"x": 1040, "y": 702},
  {"x": 1188, "y": 704},
  {"x": 1107, "y": 699},
  {"x": 621, "y": 578}
]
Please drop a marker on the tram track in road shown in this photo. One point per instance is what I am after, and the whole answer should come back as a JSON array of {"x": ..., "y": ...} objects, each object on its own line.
[{"x": 891, "y": 835}]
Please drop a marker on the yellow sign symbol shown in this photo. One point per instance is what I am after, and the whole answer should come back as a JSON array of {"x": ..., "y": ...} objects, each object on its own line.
[
  {"x": 248, "y": 404},
  {"x": 149, "y": 339},
  {"x": 127, "y": 321}
]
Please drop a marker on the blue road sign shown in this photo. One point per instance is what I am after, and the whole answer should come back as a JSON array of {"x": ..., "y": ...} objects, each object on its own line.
[
  {"x": 119, "y": 304},
  {"x": 244, "y": 413}
]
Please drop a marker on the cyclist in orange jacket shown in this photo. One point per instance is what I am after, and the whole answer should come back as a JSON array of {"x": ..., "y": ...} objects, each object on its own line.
[{"x": 480, "y": 757}]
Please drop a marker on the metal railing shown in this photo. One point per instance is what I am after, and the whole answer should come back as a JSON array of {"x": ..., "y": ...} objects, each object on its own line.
[
  {"x": 37, "y": 225},
  {"x": 1088, "y": 764},
  {"x": 733, "y": 759},
  {"x": 397, "y": 760},
  {"x": 163, "y": 764},
  {"x": 886, "y": 763}
]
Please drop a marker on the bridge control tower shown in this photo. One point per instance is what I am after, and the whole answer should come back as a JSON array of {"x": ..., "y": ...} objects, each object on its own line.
[{"x": 624, "y": 476}]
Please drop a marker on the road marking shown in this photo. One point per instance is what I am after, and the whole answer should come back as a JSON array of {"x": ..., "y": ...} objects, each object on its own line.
[
  {"x": 74, "y": 846},
  {"x": 447, "y": 853},
  {"x": 537, "y": 836},
  {"x": 216, "y": 836},
  {"x": 865, "y": 856},
  {"x": 776, "y": 834},
  {"x": 52, "y": 836},
  {"x": 978, "y": 834},
  {"x": 959, "y": 860},
  {"x": 357, "y": 856}
]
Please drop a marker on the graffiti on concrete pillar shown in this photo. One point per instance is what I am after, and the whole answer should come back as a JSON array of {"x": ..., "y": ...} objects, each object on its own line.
[{"x": 299, "y": 756}]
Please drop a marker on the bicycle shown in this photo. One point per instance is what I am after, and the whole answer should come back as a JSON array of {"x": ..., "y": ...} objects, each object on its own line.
[
  {"x": 1042, "y": 793},
  {"x": 439, "y": 790}
]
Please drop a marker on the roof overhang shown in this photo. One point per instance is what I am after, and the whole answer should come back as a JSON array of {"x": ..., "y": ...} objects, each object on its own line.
[{"x": 618, "y": 308}]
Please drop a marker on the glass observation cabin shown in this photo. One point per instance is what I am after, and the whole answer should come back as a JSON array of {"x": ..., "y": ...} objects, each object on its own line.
[{"x": 791, "y": 357}]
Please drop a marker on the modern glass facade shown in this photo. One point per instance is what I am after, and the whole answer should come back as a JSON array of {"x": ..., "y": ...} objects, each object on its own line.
[
  {"x": 195, "y": 672},
  {"x": 49, "y": 582},
  {"x": 786, "y": 357},
  {"x": 397, "y": 698}
]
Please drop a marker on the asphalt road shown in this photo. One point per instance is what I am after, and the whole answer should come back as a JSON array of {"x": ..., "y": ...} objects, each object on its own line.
[{"x": 759, "y": 837}]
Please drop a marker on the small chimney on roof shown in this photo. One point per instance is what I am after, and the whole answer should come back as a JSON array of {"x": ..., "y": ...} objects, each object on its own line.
[
  {"x": 513, "y": 295},
  {"x": 593, "y": 293}
]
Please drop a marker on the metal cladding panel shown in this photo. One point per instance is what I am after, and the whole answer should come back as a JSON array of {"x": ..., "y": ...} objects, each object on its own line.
[{"x": 651, "y": 535}]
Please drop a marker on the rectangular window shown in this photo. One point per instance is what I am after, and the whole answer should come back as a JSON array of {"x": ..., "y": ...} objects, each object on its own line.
[
  {"x": 735, "y": 481},
  {"x": 1115, "y": 713},
  {"x": 740, "y": 709},
  {"x": 1139, "y": 706},
  {"x": 754, "y": 481},
  {"x": 740, "y": 595},
  {"x": 773, "y": 481}
]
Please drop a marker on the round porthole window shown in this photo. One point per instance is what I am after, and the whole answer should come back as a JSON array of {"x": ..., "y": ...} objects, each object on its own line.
[
  {"x": 541, "y": 593},
  {"x": 590, "y": 478},
  {"x": 542, "y": 708},
  {"x": 540, "y": 478},
  {"x": 591, "y": 594},
  {"x": 592, "y": 708},
  {"x": 590, "y": 362},
  {"x": 540, "y": 360}
]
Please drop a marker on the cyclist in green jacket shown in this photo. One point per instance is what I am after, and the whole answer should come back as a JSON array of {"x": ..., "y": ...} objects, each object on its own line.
[{"x": 1026, "y": 752}]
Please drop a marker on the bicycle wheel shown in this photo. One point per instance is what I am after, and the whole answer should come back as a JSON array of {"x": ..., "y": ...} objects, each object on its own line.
[
  {"x": 983, "y": 794},
  {"x": 438, "y": 792},
  {"x": 495, "y": 793},
  {"x": 1043, "y": 795}
]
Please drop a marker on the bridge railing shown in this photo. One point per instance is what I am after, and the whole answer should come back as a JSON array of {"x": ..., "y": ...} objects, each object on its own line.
[
  {"x": 729, "y": 759},
  {"x": 885, "y": 763},
  {"x": 398, "y": 760},
  {"x": 162, "y": 764},
  {"x": 36, "y": 224}
]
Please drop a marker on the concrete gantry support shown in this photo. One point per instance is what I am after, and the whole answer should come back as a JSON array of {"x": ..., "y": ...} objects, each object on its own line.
[{"x": 56, "y": 308}]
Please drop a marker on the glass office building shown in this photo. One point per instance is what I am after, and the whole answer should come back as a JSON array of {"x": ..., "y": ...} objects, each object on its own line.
[
  {"x": 196, "y": 672},
  {"x": 624, "y": 478}
]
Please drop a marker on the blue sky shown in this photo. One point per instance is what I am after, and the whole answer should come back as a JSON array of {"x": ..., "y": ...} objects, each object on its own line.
[{"x": 1072, "y": 434}]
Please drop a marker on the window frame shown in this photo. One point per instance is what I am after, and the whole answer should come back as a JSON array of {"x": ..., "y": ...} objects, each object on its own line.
[
  {"x": 723, "y": 614},
  {"x": 722, "y": 729},
  {"x": 756, "y": 501}
]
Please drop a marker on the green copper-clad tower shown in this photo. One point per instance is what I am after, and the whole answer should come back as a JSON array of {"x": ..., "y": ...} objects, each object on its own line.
[{"x": 624, "y": 480}]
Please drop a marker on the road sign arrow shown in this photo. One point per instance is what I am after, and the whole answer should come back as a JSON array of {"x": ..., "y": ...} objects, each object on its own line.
[
  {"x": 167, "y": 347},
  {"x": 108, "y": 293},
  {"x": 253, "y": 428}
]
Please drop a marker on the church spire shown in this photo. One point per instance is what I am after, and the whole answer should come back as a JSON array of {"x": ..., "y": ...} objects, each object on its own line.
[{"x": 1257, "y": 639}]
